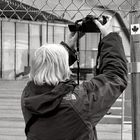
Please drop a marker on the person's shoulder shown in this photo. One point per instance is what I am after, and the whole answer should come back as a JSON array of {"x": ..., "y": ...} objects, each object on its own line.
[
  {"x": 111, "y": 36},
  {"x": 80, "y": 90}
]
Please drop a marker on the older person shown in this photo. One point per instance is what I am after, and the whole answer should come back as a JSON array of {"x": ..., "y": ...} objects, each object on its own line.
[{"x": 55, "y": 107}]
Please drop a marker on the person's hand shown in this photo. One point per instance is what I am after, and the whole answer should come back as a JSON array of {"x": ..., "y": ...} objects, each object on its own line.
[
  {"x": 72, "y": 38},
  {"x": 106, "y": 28}
]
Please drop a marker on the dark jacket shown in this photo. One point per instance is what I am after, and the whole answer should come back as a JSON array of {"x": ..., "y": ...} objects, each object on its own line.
[{"x": 69, "y": 111}]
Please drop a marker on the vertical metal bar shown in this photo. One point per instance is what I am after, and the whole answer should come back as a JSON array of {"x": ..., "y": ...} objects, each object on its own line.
[
  {"x": 85, "y": 49},
  {"x": 122, "y": 124},
  {"x": 1, "y": 53},
  {"x": 78, "y": 60},
  {"x": 135, "y": 74},
  {"x": 47, "y": 32},
  {"x": 40, "y": 35},
  {"x": 64, "y": 34},
  {"x": 28, "y": 53},
  {"x": 15, "y": 53},
  {"x": 53, "y": 33}
]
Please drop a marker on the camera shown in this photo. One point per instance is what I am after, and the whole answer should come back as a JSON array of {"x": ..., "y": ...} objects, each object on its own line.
[{"x": 87, "y": 24}]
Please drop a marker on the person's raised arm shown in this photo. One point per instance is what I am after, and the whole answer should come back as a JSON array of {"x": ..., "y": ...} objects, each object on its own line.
[
  {"x": 112, "y": 59},
  {"x": 111, "y": 80},
  {"x": 70, "y": 45}
]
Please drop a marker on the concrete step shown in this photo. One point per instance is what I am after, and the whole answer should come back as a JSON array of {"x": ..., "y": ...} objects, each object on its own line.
[
  {"x": 111, "y": 119},
  {"x": 9, "y": 102},
  {"x": 12, "y": 84},
  {"x": 115, "y": 111},
  {"x": 9, "y": 115},
  {"x": 116, "y": 119},
  {"x": 9, "y": 96},
  {"x": 118, "y": 103},
  {"x": 10, "y": 91},
  {"x": 12, "y": 137},
  {"x": 10, "y": 107},
  {"x": 114, "y": 115}
]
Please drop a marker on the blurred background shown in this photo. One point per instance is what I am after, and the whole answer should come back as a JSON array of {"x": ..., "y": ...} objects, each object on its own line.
[{"x": 27, "y": 24}]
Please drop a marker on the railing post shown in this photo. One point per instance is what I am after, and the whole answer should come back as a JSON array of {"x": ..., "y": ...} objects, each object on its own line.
[{"x": 135, "y": 72}]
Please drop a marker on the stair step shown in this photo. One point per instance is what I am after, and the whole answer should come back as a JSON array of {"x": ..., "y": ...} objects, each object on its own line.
[
  {"x": 14, "y": 137},
  {"x": 11, "y": 91},
  {"x": 127, "y": 122},
  {"x": 111, "y": 119},
  {"x": 9, "y": 96},
  {"x": 115, "y": 111},
  {"x": 11, "y": 115},
  {"x": 10, "y": 107},
  {"x": 10, "y": 102},
  {"x": 118, "y": 103},
  {"x": 12, "y": 84}
]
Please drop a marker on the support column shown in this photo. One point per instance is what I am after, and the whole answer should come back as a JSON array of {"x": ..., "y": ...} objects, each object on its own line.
[{"x": 135, "y": 73}]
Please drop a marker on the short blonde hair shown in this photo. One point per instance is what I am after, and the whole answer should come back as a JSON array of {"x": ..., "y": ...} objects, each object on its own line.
[{"x": 50, "y": 65}]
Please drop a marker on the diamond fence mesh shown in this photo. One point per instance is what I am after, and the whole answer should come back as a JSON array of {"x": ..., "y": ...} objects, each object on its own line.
[{"x": 38, "y": 10}]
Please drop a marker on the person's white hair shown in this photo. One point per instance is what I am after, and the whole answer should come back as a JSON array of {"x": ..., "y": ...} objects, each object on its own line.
[{"x": 50, "y": 65}]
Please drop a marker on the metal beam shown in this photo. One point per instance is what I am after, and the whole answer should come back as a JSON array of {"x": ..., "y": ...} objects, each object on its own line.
[{"x": 135, "y": 73}]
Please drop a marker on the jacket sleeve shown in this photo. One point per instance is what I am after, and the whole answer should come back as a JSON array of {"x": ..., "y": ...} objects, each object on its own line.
[
  {"x": 72, "y": 53},
  {"x": 111, "y": 80}
]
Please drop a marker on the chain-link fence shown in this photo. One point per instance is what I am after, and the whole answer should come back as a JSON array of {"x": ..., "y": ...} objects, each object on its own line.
[{"x": 63, "y": 9}]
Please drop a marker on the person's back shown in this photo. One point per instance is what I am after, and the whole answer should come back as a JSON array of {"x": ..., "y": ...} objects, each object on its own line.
[
  {"x": 56, "y": 121},
  {"x": 55, "y": 107}
]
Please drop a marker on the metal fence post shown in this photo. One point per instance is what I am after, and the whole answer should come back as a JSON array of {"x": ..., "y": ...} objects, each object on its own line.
[{"x": 135, "y": 73}]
